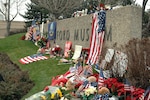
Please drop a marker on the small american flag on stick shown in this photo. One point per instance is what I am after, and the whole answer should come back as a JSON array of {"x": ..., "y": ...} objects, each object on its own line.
[
  {"x": 101, "y": 79},
  {"x": 79, "y": 69}
]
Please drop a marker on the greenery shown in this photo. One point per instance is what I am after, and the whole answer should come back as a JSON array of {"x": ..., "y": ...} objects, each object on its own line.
[
  {"x": 40, "y": 72},
  {"x": 14, "y": 83},
  {"x": 34, "y": 12}
]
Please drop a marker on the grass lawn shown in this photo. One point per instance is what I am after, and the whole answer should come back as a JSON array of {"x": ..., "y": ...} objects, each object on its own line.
[{"x": 41, "y": 72}]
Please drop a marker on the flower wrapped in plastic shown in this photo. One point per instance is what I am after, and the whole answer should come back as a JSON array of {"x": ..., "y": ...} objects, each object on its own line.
[
  {"x": 54, "y": 91},
  {"x": 89, "y": 93}
]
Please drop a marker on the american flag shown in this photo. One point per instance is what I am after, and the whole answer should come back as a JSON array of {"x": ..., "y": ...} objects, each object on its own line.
[
  {"x": 128, "y": 87},
  {"x": 141, "y": 97},
  {"x": 97, "y": 36},
  {"x": 79, "y": 69},
  {"x": 148, "y": 98},
  {"x": 101, "y": 79},
  {"x": 30, "y": 59},
  {"x": 90, "y": 68},
  {"x": 146, "y": 95}
]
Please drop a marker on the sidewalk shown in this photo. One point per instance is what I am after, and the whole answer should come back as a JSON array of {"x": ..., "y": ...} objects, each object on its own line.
[{"x": 75, "y": 99}]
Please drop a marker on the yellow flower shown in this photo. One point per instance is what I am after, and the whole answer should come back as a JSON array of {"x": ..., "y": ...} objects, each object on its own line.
[
  {"x": 56, "y": 91},
  {"x": 43, "y": 97}
]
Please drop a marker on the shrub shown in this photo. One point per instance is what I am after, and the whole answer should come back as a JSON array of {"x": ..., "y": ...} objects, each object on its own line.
[
  {"x": 14, "y": 83},
  {"x": 138, "y": 52}
]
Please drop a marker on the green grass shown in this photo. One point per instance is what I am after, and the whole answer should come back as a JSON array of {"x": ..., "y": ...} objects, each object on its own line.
[{"x": 40, "y": 72}]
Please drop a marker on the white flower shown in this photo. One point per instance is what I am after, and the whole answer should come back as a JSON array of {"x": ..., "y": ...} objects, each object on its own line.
[{"x": 90, "y": 90}]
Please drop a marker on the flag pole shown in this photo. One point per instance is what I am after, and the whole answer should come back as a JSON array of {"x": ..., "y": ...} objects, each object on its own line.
[
  {"x": 84, "y": 55},
  {"x": 131, "y": 87},
  {"x": 42, "y": 29},
  {"x": 125, "y": 95}
]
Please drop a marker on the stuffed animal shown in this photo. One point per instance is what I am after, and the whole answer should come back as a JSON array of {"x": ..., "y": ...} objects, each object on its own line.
[
  {"x": 70, "y": 85},
  {"x": 90, "y": 82},
  {"x": 92, "y": 79},
  {"x": 103, "y": 90},
  {"x": 87, "y": 71},
  {"x": 75, "y": 81}
]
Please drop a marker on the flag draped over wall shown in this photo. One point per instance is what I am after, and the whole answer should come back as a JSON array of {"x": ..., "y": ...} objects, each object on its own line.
[
  {"x": 52, "y": 30},
  {"x": 97, "y": 35}
]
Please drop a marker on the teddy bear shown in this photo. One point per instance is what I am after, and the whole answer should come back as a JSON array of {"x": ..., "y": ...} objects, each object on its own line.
[
  {"x": 90, "y": 82},
  {"x": 92, "y": 79},
  {"x": 70, "y": 85},
  {"x": 103, "y": 90}
]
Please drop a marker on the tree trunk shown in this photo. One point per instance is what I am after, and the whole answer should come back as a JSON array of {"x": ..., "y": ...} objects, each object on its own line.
[
  {"x": 143, "y": 8},
  {"x": 145, "y": 29},
  {"x": 8, "y": 28},
  {"x": 8, "y": 20}
]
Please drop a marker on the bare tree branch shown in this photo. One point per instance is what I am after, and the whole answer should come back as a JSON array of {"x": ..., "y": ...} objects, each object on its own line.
[
  {"x": 143, "y": 6},
  {"x": 58, "y": 7},
  {"x": 10, "y": 9}
]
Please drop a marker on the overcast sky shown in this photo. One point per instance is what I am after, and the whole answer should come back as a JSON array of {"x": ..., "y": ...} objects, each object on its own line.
[
  {"x": 23, "y": 9},
  {"x": 140, "y": 2}
]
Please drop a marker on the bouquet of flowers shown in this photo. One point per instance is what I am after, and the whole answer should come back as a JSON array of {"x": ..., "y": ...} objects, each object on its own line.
[{"x": 89, "y": 93}]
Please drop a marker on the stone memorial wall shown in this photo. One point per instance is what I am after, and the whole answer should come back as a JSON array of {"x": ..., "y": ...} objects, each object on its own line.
[{"x": 122, "y": 24}]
